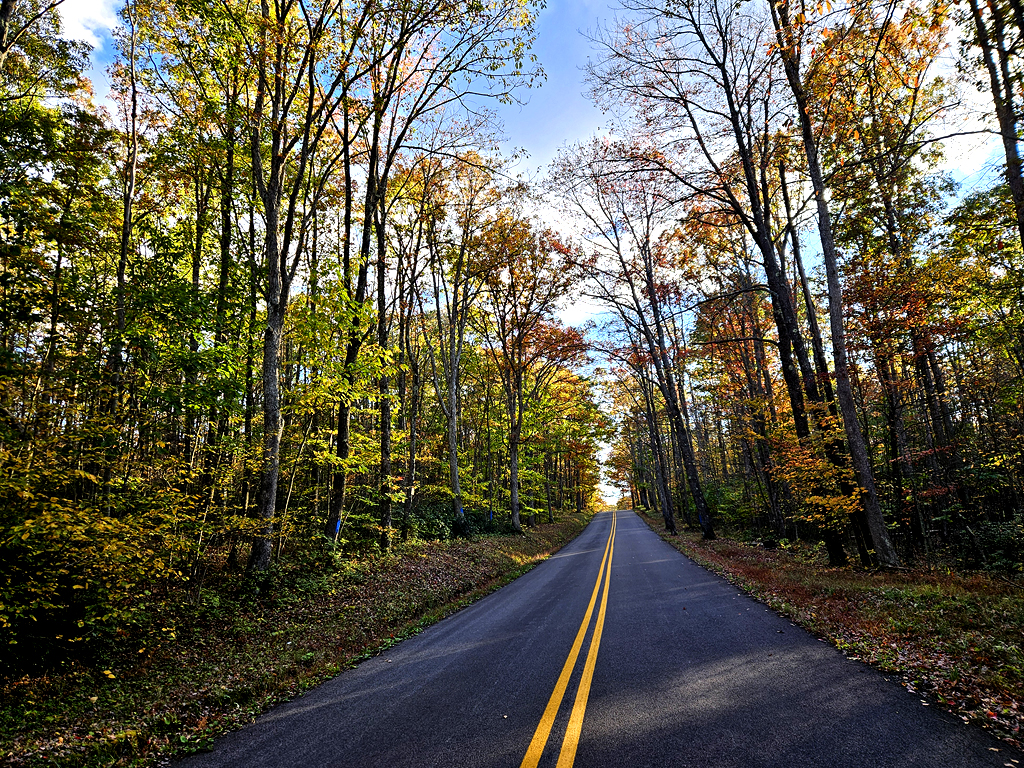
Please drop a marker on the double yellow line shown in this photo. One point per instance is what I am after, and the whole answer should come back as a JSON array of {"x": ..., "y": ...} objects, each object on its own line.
[{"x": 572, "y": 732}]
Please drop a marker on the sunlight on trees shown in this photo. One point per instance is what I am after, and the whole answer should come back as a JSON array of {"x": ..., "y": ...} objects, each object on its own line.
[
  {"x": 223, "y": 306},
  {"x": 280, "y": 302},
  {"x": 745, "y": 137}
]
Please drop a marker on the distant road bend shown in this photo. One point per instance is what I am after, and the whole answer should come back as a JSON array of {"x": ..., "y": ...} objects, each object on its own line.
[{"x": 617, "y": 651}]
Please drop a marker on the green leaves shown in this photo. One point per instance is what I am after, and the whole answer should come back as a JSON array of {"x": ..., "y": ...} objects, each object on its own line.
[{"x": 73, "y": 570}]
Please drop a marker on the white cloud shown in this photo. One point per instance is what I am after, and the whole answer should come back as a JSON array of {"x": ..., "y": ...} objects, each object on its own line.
[
  {"x": 972, "y": 152},
  {"x": 89, "y": 20}
]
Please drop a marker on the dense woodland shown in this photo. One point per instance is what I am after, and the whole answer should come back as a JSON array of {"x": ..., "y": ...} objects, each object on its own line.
[
  {"x": 277, "y": 301},
  {"x": 280, "y": 298},
  {"x": 818, "y": 334}
]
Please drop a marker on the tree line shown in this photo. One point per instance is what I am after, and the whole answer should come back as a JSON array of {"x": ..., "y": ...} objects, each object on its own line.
[
  {"x": 278, "y": 300},
  {"x": 813, "y": 335}
]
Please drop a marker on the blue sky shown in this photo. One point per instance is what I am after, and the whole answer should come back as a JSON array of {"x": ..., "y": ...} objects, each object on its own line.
[{"x": 556, "y": 111}]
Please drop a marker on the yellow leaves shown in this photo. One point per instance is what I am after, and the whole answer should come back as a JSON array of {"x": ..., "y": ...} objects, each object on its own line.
[
  {"x": 69, "y": 553},
  {"x": 109, "y": 674},
  {"x": 814, "y": 481}
]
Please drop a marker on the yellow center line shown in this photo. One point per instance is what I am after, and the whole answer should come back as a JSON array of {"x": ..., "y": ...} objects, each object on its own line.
[
  {"x": 540, "y": 736},
  {"x": 579, "y": 707}
]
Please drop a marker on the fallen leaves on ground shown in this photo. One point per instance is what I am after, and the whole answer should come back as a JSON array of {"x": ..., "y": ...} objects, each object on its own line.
[{"x": 230, "y": 661}]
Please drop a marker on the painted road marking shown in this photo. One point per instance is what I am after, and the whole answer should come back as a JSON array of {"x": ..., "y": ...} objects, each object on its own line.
[
  {"x": 579, "y": 707},
  {"x": 540, "y": 736}
]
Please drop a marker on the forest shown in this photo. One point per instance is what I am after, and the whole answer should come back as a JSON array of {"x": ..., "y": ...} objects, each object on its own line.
[
  {"x": 818, "y": 334},
  {"x": 276, "y": 301},
  {"x": 281, "y": 299}
]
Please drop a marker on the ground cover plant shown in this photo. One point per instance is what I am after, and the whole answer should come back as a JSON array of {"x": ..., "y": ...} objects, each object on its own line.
[
  {"x": 209, "y": 667},
  {"x": 953, "y": 637}
]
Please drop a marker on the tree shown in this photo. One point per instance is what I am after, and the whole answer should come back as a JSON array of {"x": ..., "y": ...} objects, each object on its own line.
[
  {"x": 790, "y": 38},
  {"x": 435, "y": 55},
  {"x": 876, "y": 104},
  {"x": 458, "y": 263},
  {"x": 296, "y": 101},
  {"x": 996, "y": 29},
  {"x": 35, "y": 59},
  {"x": 626, "y": 206},
  {"x": 702, "y": 82},
  {"x": 531, "y": 273}
]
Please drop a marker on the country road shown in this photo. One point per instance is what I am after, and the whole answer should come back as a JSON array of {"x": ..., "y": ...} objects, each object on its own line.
[{"x": 617, "y": 651}]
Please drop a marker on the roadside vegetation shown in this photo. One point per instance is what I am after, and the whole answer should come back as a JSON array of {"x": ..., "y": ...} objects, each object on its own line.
[
  {"x": 197, "y": 669},
  {"x": 953, "y": 637},
  {"x": 278, "y": 321},
  {"x": 282, "y": 371}
]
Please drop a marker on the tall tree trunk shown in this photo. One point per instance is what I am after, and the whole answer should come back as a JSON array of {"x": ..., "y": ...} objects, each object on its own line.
[
  {"x": 995, "y": 54},
  {"x": 513, "y": 476},
  {"x": 459, "y": 524},
  {"x": 817, "y": 345},
  {"x": 339, "y": 479},
  {"x": 127, "y": 203},
  {"x": 789, "y": 50},
  {"x": 384, "y": 388},
  {"x": 355, "y": 286},
  {"x": 658, "y": 455},
  {"x": 271, "y": 190},
  {"x": 548, "y": 469},
  {"x": 656, "y": 340},
  {"x": 218, "y": 414},
  {"x": 410, "y": 471},
  {"x": 259, "y": 558}
]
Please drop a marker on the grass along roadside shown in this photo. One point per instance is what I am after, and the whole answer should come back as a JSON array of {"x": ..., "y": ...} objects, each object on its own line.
[
  {"x": 954, "y": 638},
  {"x": 231, "y": 658}
]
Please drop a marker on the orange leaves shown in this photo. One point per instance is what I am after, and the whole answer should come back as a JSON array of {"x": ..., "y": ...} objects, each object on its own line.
[
  {"x": 814, "y": 481},
  {"x": 875, "y": 73}
]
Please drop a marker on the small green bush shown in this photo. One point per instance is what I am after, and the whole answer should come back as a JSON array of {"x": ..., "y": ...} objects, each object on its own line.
[{"x": 1002, "y": 544}]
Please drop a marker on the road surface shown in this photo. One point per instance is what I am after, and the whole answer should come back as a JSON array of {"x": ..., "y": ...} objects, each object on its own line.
[{"x": 617, "y": 651}]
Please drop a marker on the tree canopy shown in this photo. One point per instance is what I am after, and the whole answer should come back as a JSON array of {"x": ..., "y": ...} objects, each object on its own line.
[{"x": 279, "y": 299}]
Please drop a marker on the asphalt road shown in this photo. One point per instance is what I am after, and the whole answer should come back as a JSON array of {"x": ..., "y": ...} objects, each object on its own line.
[{"x": 685, "y": 671}]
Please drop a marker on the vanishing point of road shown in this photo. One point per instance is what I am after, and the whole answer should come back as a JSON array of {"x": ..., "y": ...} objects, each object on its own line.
[{"x": 617, "y": 651}]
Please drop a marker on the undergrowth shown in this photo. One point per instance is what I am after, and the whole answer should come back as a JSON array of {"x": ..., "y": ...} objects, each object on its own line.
[{"x": 213, "y": 664}]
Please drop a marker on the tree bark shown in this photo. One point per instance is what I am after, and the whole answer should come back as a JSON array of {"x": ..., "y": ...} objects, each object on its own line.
[
  {"x": 991, "y": 40},
  {"x": 789, "y": 50}
]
